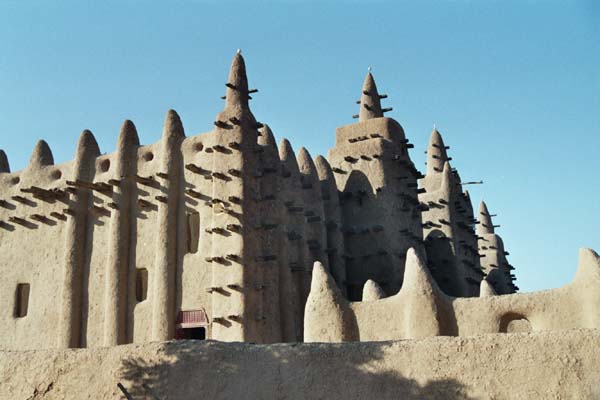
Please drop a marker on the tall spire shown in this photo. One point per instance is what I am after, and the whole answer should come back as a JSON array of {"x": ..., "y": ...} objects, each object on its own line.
[
  {"x": 236, "y": 94},
  {"x": 436, "y": 153},
  {"x": 42, "y": 155},
  {"x": 370, "y": 100},
  {"x": 4, "y": 166},
  {"x": 485, "y": 226}
]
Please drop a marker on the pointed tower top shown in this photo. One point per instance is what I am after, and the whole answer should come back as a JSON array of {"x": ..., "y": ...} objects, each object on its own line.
[
  {"x": 324, "y": 169},
  {"x": 128, "y": 136},
  {"x": 286, "y": 152},
  {"x": 370, "y": 101},
  {"x": 42, "y": 155},
  {"x": 436, "y": 153},
  {"x": 237, "y": 85},
  {"x": 485, "y": 225},
  {"x": 4, "y": 166},
  {"x": 266, "y": 138},
  {"x": 87, "y": 147},
  {"x": 173, "y": 126},
  {"x": 305, "y": 162}
]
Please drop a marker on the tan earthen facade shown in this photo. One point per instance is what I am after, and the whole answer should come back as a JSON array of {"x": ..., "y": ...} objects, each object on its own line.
[{"x": 216, "y": 235}]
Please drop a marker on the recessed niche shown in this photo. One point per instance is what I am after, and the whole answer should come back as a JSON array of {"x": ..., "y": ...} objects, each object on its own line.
[
  {"x": 513, "y": 322},
  {"x": 15, "y": 180},
  {"x": 21, "y": 300},
  {"x": 56, "y": 174},
  {"x": 141, "y": 284},
  {"x": 198, "y": 147},
  {"x": 193, "y": 232},
  {"x": 104, "y": 165},
  {"x": 148, "y": 156}
]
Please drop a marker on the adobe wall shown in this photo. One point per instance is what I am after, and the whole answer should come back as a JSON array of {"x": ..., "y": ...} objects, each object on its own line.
[
  {"x": 116, "y": 247},
  {"x": 421, "y": 309},
  {"x": 539, "y": 365}
]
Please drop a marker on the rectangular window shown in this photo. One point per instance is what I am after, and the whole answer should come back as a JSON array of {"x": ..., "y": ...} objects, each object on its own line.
[
  {"x": 141, "y": 284},
  {"x": 193, "y": 232},
  {"x": 21, "y": 300}
]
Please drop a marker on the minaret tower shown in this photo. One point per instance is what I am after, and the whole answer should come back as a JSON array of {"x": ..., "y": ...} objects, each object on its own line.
[
  {"x": 381, "y": 215},
  {"x": 240, "y": 262}
]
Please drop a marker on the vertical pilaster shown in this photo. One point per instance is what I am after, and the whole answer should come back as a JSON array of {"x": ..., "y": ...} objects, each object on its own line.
[
  {"x": 117, "y": 271},
  {"x": 333, "y": 222},
  {"x": 274, "y": 290},
  {"x": 163, "y": 308},
  {"x": 316, "y": 238},
  {"x": 291, "y": 196},
  {"x": 69, "y": 329}
]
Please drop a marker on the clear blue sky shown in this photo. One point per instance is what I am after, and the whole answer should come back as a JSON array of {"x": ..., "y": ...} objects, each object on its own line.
[{"x": 513, "y": 87}]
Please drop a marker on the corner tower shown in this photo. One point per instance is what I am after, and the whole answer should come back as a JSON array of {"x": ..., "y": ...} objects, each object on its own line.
[{"x": 381, "y": 214}]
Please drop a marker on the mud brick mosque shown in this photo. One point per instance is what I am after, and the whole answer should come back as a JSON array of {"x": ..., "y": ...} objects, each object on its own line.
[{"x": 230, "y": 236}]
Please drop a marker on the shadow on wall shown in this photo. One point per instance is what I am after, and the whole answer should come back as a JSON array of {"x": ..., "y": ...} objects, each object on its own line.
[
  {"x": 213, "y": 370},
  {"x": 440, "y": 254}
]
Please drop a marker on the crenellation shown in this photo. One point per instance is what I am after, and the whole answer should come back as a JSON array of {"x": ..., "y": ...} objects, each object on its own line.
[{"x": 421, "y": 309}]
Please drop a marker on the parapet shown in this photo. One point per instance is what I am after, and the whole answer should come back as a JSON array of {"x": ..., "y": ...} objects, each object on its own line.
[{"x": 421, "y": 309}]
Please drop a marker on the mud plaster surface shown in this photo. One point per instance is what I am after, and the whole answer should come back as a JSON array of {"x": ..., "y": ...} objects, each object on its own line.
[{"x": 543, "y": 365}]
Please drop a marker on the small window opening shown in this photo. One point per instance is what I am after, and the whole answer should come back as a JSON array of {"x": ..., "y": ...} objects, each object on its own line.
[
  {"x": 22, "y": 300},
  {"x": 193, "y": 232},
  {"x": 141, "y": 284}
]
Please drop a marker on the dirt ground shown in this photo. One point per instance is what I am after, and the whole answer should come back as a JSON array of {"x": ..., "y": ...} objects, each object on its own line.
[{"x": 543, "y": 365}]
